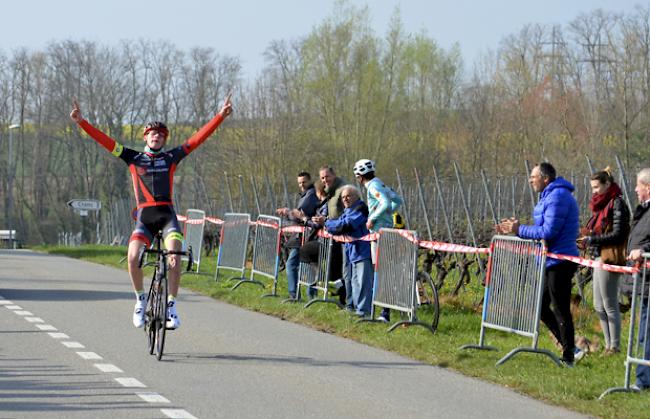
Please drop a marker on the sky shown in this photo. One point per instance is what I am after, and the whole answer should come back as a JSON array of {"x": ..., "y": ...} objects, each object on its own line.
[{"x": 244, "y": 28}]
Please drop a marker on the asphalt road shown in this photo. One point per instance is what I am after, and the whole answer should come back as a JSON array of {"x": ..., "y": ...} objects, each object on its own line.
[{"x": 68, "y": 349}]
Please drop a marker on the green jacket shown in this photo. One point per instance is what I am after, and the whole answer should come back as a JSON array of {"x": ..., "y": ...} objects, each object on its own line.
[{"x": 334, "y": 204}]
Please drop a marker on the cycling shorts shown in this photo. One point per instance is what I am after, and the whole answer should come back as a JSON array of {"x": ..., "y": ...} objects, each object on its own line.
[{"x": 151, "y": 220}]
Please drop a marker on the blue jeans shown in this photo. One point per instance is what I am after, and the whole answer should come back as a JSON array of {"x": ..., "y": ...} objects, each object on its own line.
[
  {"x": 642, "y": 371},
  {"x": 347, "y": 280},
  {"x": 293, "y": 267},
  {"x": 293, "y": 263},
  {"x": 361, "y": 281}
]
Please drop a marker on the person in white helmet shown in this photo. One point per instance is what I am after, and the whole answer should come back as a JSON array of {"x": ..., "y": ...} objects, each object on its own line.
[{"x": 382, "y": 202}]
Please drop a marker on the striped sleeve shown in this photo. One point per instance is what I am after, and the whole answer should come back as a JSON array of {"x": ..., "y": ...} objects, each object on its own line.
[
  {"x": 201, "y": 135},
  {"x": 104, "y": 140}
]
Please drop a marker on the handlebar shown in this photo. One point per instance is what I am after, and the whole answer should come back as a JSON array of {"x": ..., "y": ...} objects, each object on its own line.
[{"x": 164, "y": 252}]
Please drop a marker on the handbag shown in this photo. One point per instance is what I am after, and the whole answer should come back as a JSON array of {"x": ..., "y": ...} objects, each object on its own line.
[{"x": 614, "y": 254}]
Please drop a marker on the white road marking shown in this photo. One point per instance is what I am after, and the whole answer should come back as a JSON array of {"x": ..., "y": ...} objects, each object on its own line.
[
  {"x": 107, "y": 368},
  {"x": 46, "y": 327},
  {"x": 34, "y": 319},
  {"x": 89, "y": 355},
  {"x": 152, "y": 397},
  {"x": 148, "y": 397},
  {"x": 177, "y": 414},
  {"x": 75, "y": 345},
  {"x": 130, "y": 382}
]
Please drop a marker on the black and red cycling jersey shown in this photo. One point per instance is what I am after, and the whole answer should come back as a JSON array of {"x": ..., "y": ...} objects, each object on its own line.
[{"x": 152, "y": 173}]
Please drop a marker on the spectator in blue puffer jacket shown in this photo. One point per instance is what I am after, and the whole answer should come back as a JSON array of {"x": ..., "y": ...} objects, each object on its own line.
[
  {"x": 556, "y": 220},
  {"x": 353, "y": 223}
]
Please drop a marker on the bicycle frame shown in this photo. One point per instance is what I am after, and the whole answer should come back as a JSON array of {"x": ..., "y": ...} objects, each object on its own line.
[{"x": 156, "y": 310}]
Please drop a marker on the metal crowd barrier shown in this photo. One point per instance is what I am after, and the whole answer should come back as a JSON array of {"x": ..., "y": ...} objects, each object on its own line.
[
  {"x": 193, "y": 235},
  {"x": 637, "y": 346},
  {"x": 513, "y": 292},
  {"x": 396, "y": 272},
  {"x": 233, "y": 244},
  {"x": 8, "y": 239},
  {"x": 266, "y": 252},
  {"x": 316, "y": 275}
]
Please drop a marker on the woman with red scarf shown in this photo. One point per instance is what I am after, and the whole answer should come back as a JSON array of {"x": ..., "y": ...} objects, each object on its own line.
[{"x": 609, "y": 225}]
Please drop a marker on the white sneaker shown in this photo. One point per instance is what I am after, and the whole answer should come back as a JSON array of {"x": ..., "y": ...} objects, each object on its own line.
[
  {"x": 138, "y": 313},
  {"x": 338, "y": 283},
  {"x": 578, "y": 354},
  {"x": 173, "y": 321}
]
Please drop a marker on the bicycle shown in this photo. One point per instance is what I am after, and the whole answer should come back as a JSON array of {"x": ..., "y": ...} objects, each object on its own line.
[
  {"x": 156, "y": 310},
  {"x": 426, "y": 304},
  {"x": 427, "y": 307},
  {"x": 426, "y": 301}
]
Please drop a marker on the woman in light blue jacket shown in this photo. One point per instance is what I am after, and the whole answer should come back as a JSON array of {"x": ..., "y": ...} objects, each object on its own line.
[{"x": 382, "y": 203}]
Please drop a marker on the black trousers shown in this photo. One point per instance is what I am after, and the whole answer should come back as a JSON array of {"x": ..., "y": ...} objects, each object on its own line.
[
  {"x": 556, "y": 305},
  {"x": 309, "y": 253}
]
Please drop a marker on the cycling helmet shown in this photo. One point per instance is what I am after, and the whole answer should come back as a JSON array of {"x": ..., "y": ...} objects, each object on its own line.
[
  {"x": 363, "y": 166},
  {"x": 156, "y": 126}
]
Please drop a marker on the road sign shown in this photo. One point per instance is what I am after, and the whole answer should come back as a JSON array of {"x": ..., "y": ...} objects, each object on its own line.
[{"x": 85, "y": 204}]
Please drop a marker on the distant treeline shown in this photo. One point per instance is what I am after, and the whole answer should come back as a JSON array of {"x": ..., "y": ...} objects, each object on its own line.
[{"x": 340, "y": 93}]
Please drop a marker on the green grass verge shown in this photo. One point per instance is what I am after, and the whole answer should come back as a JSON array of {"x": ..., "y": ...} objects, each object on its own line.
[{"x": 576, "y": 389}]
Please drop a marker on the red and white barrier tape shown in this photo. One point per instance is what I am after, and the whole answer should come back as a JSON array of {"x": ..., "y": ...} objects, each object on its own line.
[
  {"x": 457, "y": 248},
  {"x": 264, "y": 224},
  {"x": 595, "y": 264},
  {"x": 183, "y": 219},
  {"x": 432, "y": 245},
  {"x": 293, "y": 229},
  {"x": 407, "y": 235},
  {"x": 348, "y": 239}
]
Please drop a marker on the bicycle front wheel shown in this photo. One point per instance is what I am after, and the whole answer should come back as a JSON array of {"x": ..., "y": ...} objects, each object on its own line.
[
  {"x": 150, "y": 317},
  {"x": 428, "y": 305},
  {"x": 161, "y": 316}
]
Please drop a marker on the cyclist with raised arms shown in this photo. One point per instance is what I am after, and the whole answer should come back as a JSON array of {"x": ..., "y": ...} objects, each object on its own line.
[{"x": 152, "y": 172}]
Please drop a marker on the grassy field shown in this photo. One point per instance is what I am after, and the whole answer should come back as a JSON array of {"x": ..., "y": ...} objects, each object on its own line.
[{"x": 535, "y": 375}]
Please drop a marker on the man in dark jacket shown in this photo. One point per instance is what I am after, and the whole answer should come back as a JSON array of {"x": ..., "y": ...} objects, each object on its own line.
[
  {"x": 353, "y": 223},
  {"x": 639, "y": 243},
  {"x": 556, "y": 220},
  {"x": 306, "y": 208}
]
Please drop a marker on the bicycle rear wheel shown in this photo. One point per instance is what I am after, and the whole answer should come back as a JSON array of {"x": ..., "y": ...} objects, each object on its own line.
[
  {"x": 161, "y": 316},
  {"x": 428, "y": 305}
]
